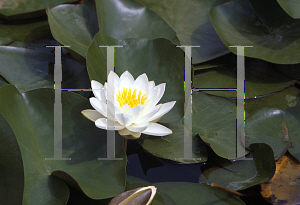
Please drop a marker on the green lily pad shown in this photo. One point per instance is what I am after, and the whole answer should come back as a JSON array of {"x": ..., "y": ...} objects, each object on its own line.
[
  {"x": 11, "y": 166},
  {"x": 291, "y": 7},
  {"x": 261, "y": 78},
  {"x": 24, "y": 32},
  {"x": 279, "y": 129},
  {"x": 242, "y": 174},
  {"x": 291, "y": 117},
  {"x": 229, "y": 58},
  {"x": 121, "y": 19},
  {"x": 192, "y": 193},
  {"x": 30, "y": 116},
  {"x": 190, "y": 20},
  {"x": 265, "y": 126},
  {"x": 39, "y": 45},
  {"x": 159, "y": 59},
  {"x": 74, "y": 25},
  {"x": 214, "y": 119},
  {"x": 29, "y": 69},
  {"x": 172, "y": 146},
  {"x": 289, "y": 97},
  {"x": 5, "y": 41},
  {"x": 20, "y": 9},
  {"x": 264, "y": 25},
  {"x": 186, "y": 193}
]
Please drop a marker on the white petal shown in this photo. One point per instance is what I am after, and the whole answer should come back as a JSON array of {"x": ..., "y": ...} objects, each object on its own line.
[
  {"x": 105, "y": 87},
  {"x": 125, "y": 108},
  {"x": 92, "y": 115},
  {"x": 124, "y": 119},
  {"x": 160, "y": 92},
  {"x": 124, "y": 131},
  {"x": 141, "y": 83},
  {"x": 157, "y": 130},
  {"x": 96, "y": 85},
  {"x": 113, "y": 79},
  {"x": 102, "y": 95},
  {"x": 155, "y": 95},
  {"x": 151, "y": 85},
  {"x": 138, "y": 127},
  {"x": 98, "y": 90},
  {"x": 166, "y": 107},
  {"x": 128, "y": 134},
  {"x": 113, "y": 109},
  {"x": 111, "y": 116},
  {"x": 102, "y": 123},
  {"x": 117, "y": 104},
  {"x": 135, "y": 134},
  {"x": 136, "y": 111},
  {"x": 99, "y": 106},
  {"x": 146, "y": 117},
  {"x": 110, "y": 92},
  {"x": 126, "y": 80}
]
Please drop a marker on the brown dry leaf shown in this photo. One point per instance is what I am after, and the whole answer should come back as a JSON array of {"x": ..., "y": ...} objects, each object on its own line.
[{"x": 284, "y": 187}]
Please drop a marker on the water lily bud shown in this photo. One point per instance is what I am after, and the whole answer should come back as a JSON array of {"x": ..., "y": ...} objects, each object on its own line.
[
  {"x": 138, "y": 196},
  {"x": 134, "y": 104}
]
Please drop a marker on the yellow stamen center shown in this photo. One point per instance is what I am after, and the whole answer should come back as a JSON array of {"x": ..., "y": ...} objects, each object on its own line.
[{"x": 126, "y": 96}]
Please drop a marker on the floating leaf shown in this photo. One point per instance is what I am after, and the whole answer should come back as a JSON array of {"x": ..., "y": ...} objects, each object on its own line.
[
  {"x": 121, "y": 19},
  {"x": 291, "y": 7},
  {"x": 18, "y": 9},
  {"x": 274, "y": 35},
  {"x": 291, "y": 118},
  {"x": 284, "y": 187},
  {"x": 242, "y": 174},
  {"x": 31, "y": 118},
  {"x": 159, "y": 59},
  {"x": 229, "y": 58},
  {"x": 260, "y": 79},
  {"x": 172, "y": 146},
  {"x": 74, "y": 25},
  {"x": 29, "y": 69},
  {"x": 265, "y": 126},
  {"x": 24, "y": 32},
  {"x": 11, "y": 166},
  {"x": 279, "y": 129},
  {"x": 4, "y": 41},
  {"x": 187, "y": 193},
  {"x": 192, "y": 193},
  {"x": 190, "y": 20},
  {"x": 214, "y": 119},
  {"x": 289, "y": 97}
]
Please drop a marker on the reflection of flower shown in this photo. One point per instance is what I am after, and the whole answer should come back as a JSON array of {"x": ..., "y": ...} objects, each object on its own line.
[{"x": 135, "y": 110}]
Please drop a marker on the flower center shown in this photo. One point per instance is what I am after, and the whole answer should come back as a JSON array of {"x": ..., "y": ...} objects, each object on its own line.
[{"x": 126, "y": 96}]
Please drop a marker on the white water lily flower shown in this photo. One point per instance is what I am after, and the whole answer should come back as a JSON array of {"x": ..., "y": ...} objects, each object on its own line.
[{"x": 134, "y": 107}]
